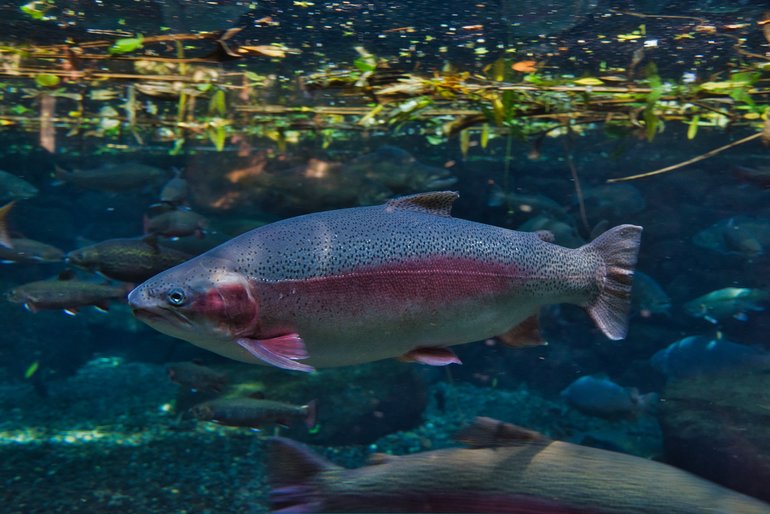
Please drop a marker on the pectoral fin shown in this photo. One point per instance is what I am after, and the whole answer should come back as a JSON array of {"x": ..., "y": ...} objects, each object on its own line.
[{"x": 281, "y": 351}]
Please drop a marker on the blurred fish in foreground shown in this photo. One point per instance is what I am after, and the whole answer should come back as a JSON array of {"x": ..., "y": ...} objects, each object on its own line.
[
  {"x": 254, "y": 412},
  {"x": 506, "y": 469},
  {"x": 730, "y": 302},
  {"x": 600, "y": 396},
  {"x": 700, "y": 355},
  {"x": 127, "y": 260},
  {"x": 15, "y": 188},
  {"x": 739, "y": 235},
  {"x": 403, "y": 279}
]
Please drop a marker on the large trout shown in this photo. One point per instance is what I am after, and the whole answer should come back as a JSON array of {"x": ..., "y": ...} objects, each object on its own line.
[{"x": 400, "y": 279}]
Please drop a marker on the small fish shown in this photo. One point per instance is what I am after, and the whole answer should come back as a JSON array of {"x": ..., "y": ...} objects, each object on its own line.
[
  {"x": 739, "y": 235},
  {"x": 648, "y": 297},
  {"x": 759, "y": 176},
  {"x": 500, "y": 472},
  {"x": 28, "y": 251},
  {"x": 565, "y": 234},
  {"x": 599, "y": 396},
  {"x": 127, "y": 260},
  {"x": 253, "y": 412},
  {"x": 399, "y": 171},
  {"x": 13, "y": 187},
  {"x": 613, "y": 201},
  {"x": 197, "y": 377},
  {"x": 403, "y": 279},
  {"x": 723, "y": 304},
  {"x": 527, "y": 204},
  {"x": 68, "y": 295},
  {"x": 175, "y": 223},
  {"x": 176, "y": 191},
  {"x": 113, "y": 177},
  {"x": 699, "y": 355}
]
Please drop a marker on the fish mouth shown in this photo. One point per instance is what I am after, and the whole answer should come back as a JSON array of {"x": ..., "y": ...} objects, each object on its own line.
[{"x": 155, "y": 316}]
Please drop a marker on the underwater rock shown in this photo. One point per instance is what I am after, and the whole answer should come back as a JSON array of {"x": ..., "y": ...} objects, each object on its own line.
[{"x": 716, "y": 427}]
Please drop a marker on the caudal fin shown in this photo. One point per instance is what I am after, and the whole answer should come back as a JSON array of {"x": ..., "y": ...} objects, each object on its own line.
[
  {"x": 618, "y": 248},
  {"x": 5, "y": 238},
  {"x": 291, "y": 469}
]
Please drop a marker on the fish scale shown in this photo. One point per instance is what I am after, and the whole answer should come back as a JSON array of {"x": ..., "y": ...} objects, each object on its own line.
[{"x": 400, "y": 279}]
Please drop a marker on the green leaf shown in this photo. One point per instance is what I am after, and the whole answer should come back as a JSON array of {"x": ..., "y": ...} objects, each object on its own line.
[
  {"x": 218, "y": 135},
  {"x": 651, "y": 122},
  {"x": 589, "y": 81},
  {"x": 47, "y": 80},
  {"x": 177, "y": 148},
  {"x": 217, "y": 103},
  {"x": 484, "y": 135},
  {"x": 35, "y": 10},
  {"x": 465, "y": 142},
  {"x": 366, "y": 63},
  {"x": 125, "y": 45},
  {"x": 31, "y": 370},
  {"x": 692, "y": 129}
]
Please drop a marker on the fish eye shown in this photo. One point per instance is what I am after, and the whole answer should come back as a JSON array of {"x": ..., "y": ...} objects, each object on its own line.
[{"x": 176, "y": 297}]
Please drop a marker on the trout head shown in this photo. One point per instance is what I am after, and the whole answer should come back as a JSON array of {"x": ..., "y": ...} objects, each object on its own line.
[
  {"x": 85, "y": 258},
  {"x": 199, "y": 302}
]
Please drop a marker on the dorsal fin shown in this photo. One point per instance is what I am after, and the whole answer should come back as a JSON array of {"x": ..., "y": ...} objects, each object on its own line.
[
  {"x": 492, "y": 433},
  {"x": 436, "y": 202}
]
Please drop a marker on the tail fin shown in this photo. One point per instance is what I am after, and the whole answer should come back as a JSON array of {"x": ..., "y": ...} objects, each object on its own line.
[
  {"x": 291, "y": 469},
  {"x": 5, "y": 238},
  {"x": 310, "y": 416},
  {"x": 618, "y": 247}
]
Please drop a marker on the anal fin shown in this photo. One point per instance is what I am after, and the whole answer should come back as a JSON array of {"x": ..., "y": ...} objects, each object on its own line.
[{"x": 527, "y": 333}]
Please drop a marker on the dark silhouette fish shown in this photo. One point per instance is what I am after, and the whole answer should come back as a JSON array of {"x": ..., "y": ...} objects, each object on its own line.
[
  {"x": 401, "y": 279},
  {"x": 196, "y": 376},
  {"x": 29, "y": 250},
  {"x": 507, "y": 469},
  {"x": 175, "y": 223},
  {"x": 68, "y": 295},
  {"x": 128, "y": 260},
  {"x": 15, "y": 188},
  {"x": 253, "y": 412},
  {"x": 113, "y": 177}
]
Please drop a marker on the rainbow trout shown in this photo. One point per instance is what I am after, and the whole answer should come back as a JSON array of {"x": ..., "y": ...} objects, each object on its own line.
[
  {"x": 401, "y": 279},
  {"x": 506, "y": 469}
]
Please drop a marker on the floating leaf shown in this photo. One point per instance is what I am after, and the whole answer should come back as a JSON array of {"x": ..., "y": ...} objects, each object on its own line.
[
  {"x": 465, "y": 142},
  {"x": 693, "y": 128},
  {"x": 217, "y": 103},
  {"x": 31, "y": 370},
  {"x": 484, "y": 135},
  {"x": 35, "y": 10},
  {"x": 47, "y": 80},
  {"x": 589, "y": 81},
  {"x": 125, "y": 45}
]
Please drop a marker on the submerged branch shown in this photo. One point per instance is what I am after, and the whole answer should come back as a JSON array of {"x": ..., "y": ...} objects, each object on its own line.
[{"x": 699, "y": 158}]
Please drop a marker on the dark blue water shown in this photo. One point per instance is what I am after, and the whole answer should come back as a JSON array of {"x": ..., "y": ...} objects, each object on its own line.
[{"x": 287, "y": 117}]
